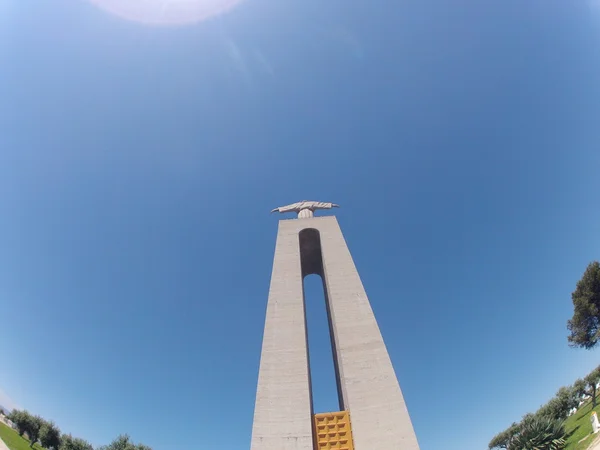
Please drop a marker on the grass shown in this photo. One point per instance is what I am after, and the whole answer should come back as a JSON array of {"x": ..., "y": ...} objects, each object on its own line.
[
  {"x": 12, "y": 439},
  {"x": 580, "y": 427}
]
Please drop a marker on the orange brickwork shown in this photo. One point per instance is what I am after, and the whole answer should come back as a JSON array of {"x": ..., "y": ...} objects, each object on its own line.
[{"x": 333, "y": 431}]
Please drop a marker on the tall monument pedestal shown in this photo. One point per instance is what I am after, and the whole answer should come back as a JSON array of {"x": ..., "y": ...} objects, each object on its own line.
[{"x": 376, "y": 417}]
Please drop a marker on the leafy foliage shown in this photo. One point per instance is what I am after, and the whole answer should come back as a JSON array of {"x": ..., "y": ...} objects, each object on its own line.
[
  {"x": 584, "y": 325},
  {"x": 68, "y": 442},
  {"x": 123, "y": 443},
  {"x": 50, "y": 436},
  {"x": 587, "y": 386},
  {"x": 27, "y": 423},
  {"x": 32, "y": 428},
  {"x": 503, "y": 439},
  {"x": 580, "y": 387},
  {"x": 19, "y": 418},
  {"x": 542, "y": 433},
  {"x": 547, "y": 418},
  {"x": 591, "y": 380},
  {"x": 558, "y": 407},
  {"x": 527, "y": 419}
]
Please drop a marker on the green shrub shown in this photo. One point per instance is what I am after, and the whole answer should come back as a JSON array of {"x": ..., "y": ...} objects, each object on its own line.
[{"x": 540, "y": 433}]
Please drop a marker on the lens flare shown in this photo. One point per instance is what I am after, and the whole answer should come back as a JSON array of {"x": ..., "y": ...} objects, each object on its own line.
[{"x": 166, "y": 12}]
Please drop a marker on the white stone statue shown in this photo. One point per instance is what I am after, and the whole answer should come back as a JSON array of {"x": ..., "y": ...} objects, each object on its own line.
[
  {"x": 595, "y": 423},
  {"x": 305, "y": 208}
]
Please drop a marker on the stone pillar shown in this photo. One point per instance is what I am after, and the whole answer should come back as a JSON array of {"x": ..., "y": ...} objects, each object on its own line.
[
  {"x": 369, "y": 387},
  {"x": 367, "y": 383},
  {"x": 283, "y": 410}
]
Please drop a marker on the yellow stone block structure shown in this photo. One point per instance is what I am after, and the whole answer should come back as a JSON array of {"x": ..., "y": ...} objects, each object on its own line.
[{"x": 333, "y": 431}]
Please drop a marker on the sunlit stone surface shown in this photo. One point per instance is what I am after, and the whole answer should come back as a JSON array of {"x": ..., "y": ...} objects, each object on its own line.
[{"x": 367, "y": 385}]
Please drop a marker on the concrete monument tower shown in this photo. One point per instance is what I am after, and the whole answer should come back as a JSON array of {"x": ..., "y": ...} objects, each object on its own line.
[{"x": 373, "y": 415}]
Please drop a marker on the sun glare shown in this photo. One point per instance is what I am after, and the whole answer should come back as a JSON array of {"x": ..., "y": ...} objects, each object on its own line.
[{"x": 166, "y": 12}]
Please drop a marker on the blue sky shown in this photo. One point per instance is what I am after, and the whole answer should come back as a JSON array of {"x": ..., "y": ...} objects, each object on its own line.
[{"x": 138, "y": 166}]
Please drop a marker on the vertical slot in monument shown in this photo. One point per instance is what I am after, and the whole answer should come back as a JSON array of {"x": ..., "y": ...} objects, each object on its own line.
[{"x": 323, "y": 368}]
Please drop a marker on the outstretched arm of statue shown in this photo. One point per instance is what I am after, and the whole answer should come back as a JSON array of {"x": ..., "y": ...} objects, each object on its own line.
[
  {"x": 323, "y": 205},
  {"x": 288, "y": 208}
]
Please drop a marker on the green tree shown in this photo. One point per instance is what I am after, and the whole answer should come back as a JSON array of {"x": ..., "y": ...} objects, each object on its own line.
[
  {"x": 68, "y": 442},
  {"x": 527, "y": 419},
  {"x": 580, "y": 388},
  {"x": 591, "y": 381},
  {"x": 541, "y": 433},
  {"x": 560, "y": 405},
  {"x": 33, "y": 425},
  {"x": 50, "y": 436},
  {"x": 20, "y": 419},
  {"x": 504, "y": 439},
  {"x": 587, "y": 386},
  {"x": 123, "y": 442},
  {"x": 584, "y": 325}
]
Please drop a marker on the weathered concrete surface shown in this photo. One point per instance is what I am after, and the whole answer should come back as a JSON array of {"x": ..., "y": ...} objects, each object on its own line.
[
  {"x": 370, "y": 389},
  {"x": 282, "y": 413},
  {"x": 366, "y": 378}
]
